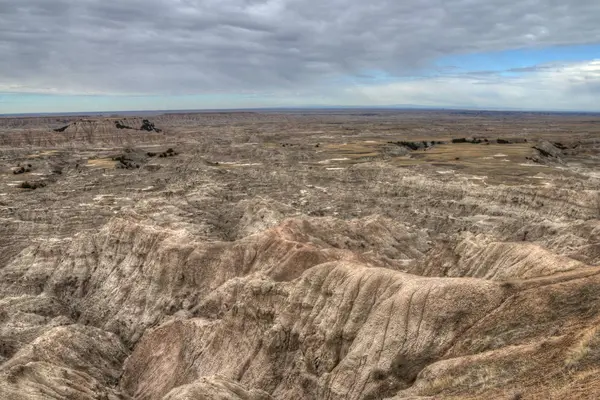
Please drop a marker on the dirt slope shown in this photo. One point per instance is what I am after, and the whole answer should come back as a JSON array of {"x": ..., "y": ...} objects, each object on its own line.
[{"x": 281, "y": 311}]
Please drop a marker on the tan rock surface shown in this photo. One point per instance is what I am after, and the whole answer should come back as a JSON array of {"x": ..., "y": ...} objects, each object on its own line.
[{"x": 256, "y": 265}]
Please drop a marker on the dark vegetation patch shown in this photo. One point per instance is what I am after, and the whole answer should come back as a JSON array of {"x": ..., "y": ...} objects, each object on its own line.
[
  {"x": 583, "y": 301},
  {"x": 64, "y": 128},
  {"x": 130, "y": 159},
  {"x": 149, "y": 126},
  {"x": 121, "y": 125},
  {"x": 125, "y": 163},
  {"x": 32, "y": 185},
  {"x": 470, "y": 140},
  {"x": 559, "y": 145},
  {"x": 480, "y": 140},
  {"x": 134, "y": 159},
  {"x": 417, "y": 145},
  {"x": 168, "y": 153},
  {"x": 21, "y": 169}
]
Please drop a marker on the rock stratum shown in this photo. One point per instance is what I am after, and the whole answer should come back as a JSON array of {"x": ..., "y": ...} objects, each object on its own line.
[{"x": 221, "y": 273}]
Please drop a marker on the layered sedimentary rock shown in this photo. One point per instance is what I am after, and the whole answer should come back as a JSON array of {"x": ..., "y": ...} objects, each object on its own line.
[{"x": 254, "y": 266}]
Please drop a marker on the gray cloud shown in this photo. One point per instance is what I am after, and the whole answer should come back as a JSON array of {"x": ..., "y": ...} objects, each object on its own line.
[{"x": 216, "y": 46}]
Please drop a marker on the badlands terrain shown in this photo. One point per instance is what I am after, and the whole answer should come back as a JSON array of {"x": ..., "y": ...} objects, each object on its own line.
[{"x": 301, "y": 255}]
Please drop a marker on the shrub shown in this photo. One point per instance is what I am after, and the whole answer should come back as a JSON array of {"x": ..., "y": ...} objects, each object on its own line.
[
  {"x": 32, "y": 185},
  {"x": 379, "y": 374}
]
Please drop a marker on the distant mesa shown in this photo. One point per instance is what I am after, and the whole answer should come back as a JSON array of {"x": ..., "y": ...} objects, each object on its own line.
[{"x": 88, "y": 125}]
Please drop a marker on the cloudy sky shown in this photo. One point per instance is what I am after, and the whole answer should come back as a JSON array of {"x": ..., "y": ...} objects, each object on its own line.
[{"x": 104, "y": 55}]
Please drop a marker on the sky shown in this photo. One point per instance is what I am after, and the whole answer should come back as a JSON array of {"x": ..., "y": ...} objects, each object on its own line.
[{"x": 115, "y": 55}]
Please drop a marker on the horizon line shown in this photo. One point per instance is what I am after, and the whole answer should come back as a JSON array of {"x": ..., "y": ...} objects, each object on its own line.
[{"x": 296, "y": 108}]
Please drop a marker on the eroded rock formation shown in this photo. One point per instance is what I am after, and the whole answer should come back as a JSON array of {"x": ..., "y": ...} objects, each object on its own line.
[{"x": 271, "y": 274}]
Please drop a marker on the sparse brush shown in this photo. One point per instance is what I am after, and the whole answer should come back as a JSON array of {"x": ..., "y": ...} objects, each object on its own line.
[
  {"x": 32, "y": 185},
  {"x": 379, "y": 374},
  {"x": 584, "y": 351},
  {"x": 516, "y": 396}
]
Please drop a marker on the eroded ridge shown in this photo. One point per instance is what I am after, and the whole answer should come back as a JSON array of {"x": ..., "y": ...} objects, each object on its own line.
[{"x": 341, "y": 259}]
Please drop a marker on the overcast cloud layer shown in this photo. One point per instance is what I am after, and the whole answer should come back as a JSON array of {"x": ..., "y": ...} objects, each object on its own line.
[{"x": 279, "y": 47}]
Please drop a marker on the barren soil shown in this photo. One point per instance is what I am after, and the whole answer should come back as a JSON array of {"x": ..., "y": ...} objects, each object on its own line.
[{"x": 300, "y": 255}]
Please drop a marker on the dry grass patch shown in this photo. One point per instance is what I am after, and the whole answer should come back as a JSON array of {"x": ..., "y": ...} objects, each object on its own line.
[
  {"x": 101, "y": 163},
  {"x": 353, "y": 150},
  {"x": 43, "y": 154},
  {"x": 584, "y": 352}
]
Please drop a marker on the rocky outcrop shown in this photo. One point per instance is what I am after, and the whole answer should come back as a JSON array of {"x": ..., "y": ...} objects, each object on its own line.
[
  {"x": 300, "y": 309},
  {"x": 215, "y": 387},
  {"x": 128, "y": 268},
  {"x": 548, "y": 150},
  {"x": 344, "y": 331},
  {"x": 67, "y": 362},
  {"x": 476, "y": 257}
]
